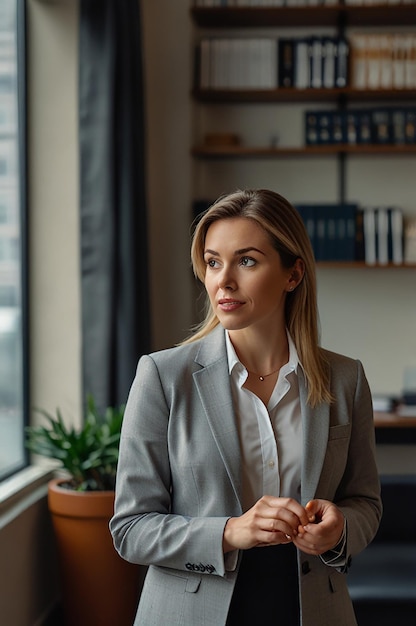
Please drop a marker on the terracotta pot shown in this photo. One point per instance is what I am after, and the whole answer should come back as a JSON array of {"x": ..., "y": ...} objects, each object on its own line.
[{"x": 99, "y": 588}]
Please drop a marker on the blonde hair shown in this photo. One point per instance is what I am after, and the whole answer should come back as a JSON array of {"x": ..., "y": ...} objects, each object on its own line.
[{"x": 288, "y": 234}]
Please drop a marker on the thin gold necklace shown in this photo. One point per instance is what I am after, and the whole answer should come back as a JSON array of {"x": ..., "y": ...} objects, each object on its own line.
[{"x": 263, "y": 376}]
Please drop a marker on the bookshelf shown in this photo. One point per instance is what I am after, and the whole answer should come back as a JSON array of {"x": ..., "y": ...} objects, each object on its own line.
[
  {"x": 286, "y": 94},
  {"x": 237, "y": 151},
  {"x": 340, "y": 17}
]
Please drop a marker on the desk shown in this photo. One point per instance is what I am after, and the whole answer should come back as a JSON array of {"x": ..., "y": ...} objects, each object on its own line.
[
  {"x": 391, "y": 420},
  {"x": 392, "y": 428}
]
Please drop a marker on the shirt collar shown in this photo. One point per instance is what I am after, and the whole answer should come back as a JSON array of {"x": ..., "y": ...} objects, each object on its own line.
[{"x": 290, "y": 366}]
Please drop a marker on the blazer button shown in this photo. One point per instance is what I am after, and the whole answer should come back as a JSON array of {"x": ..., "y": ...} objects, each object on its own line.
[{"x": 305, "y": 567}]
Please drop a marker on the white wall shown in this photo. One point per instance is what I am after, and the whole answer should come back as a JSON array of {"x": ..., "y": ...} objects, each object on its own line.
[
  {"x": 167, "y": 63},
  {"x": 53, "y": 206}
]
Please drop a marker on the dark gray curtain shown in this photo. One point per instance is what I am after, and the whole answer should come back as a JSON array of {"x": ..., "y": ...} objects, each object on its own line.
[{"x": 114, "y": 260}]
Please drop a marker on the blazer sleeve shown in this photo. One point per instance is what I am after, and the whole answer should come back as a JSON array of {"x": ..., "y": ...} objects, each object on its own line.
[
  {"x": 358, "y": 494},
  {"x": 143, "y": 527}
]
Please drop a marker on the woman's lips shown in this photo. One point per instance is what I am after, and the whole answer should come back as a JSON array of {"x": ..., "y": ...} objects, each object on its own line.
[{"x": 229, "y": 305}]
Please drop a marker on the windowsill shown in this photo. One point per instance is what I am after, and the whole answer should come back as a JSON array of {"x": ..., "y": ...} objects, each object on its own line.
[{"x": 22, "y": 490}]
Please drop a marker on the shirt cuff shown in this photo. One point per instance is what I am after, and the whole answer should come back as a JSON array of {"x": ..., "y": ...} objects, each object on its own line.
[{"x": 336, "y": 557}]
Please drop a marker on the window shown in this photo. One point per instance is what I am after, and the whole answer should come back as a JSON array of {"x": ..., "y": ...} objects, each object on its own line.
[{"x": 13, "y": 316}]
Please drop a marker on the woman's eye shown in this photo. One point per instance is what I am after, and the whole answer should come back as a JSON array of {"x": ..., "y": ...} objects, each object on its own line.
[
  {"x": 212, "y": 263},
  {"x": 247, "y": 261}
]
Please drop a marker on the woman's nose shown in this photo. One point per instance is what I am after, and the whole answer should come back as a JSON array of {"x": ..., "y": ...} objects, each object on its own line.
[{"x": 226, "y": 280}]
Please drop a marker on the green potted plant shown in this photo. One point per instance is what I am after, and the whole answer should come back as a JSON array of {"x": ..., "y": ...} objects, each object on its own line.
[
  {"x": 98, "y": 587},
  {"x": 89, "y": 455}
]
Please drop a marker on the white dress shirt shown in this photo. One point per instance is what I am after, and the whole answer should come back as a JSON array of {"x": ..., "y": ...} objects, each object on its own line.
[{"x": 271, "y": 439}]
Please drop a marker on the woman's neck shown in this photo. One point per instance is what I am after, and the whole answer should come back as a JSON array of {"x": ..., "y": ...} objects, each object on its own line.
[{"x": 261, "y": 354}]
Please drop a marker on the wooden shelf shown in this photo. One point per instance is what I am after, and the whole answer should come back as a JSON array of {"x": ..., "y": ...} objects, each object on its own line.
[
  {"x": 301, "y": 95},
  {"x": 250, "y": 152},
  {"x": 243, "y": 152},
  {"x": 249, "y": 17},
  {"x": 226, "y": 17}
]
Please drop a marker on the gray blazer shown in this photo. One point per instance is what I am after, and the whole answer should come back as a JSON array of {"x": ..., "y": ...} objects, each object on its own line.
[{"x": 178, "y": 482}]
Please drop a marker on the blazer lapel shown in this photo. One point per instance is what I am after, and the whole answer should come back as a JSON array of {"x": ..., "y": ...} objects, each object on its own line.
[
  {"x": 213, "y": 385},
  {"x": 315, "y": 424},
  {"x": 214, "y": 389}
]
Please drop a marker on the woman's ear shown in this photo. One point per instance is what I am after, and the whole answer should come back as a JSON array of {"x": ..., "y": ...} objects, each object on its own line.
[{"x": 296, "y": 274}]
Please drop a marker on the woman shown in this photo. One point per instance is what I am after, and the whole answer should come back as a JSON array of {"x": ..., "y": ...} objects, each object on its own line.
[{"x": 247, "y": 477}]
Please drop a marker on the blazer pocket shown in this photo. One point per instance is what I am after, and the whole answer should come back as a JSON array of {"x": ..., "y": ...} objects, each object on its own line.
[
  {"x": 342, "y": 431},
  {"x": 178, "y": 580}
]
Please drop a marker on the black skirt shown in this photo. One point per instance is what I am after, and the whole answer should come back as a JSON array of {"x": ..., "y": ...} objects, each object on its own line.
[{"x": 267, "y": 588}]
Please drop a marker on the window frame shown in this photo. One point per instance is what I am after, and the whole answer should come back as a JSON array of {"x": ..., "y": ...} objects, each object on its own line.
[
  {"x": 22, "y": 185},
  {"x": 23, "y": 200},
  {"x": 24, "y": 222}
]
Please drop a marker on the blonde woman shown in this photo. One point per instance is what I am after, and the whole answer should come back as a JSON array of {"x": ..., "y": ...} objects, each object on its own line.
[{"x": 247, "y": 478}]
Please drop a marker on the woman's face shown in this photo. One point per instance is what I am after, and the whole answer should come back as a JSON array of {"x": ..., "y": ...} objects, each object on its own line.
[{"x": 244, "y": 277}]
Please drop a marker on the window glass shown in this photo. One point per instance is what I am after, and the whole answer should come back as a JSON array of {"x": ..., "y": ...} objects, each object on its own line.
[{"x": 12, "y": 236}]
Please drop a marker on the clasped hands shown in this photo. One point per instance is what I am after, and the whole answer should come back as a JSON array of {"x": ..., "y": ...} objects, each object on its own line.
[{"x": 314, "y": 528}]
